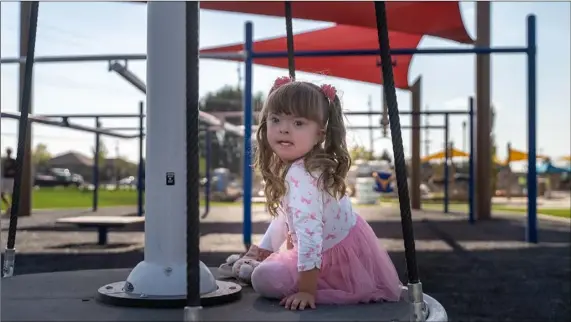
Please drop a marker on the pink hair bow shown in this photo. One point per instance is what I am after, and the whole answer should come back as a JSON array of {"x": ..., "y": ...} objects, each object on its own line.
[
  {"x": 329, "y": 91},
  {"x": 281, "y": 81}
]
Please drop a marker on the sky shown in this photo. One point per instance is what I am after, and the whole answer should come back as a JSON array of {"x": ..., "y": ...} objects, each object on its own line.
[{"x": 84, "y": 28}]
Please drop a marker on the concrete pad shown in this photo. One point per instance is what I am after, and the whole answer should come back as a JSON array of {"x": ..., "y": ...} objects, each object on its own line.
[{"x": 70, "y": 296}]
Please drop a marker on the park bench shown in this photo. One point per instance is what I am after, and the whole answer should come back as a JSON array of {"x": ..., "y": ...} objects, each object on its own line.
[{"x": 102, "y": 223}]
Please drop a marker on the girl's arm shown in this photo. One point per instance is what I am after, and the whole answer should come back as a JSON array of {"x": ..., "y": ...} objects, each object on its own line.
[
  {"x": 308, "y": 281},
  {"x": 271, "y": 242},
  {"x": 305, "y": 203},
  {"x": 309, "y": 230},
  {"x": 275, "y": 235}
]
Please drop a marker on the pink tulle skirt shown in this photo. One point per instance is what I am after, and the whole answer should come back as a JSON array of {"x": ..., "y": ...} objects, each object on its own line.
[{"x": 356, "y": 270}]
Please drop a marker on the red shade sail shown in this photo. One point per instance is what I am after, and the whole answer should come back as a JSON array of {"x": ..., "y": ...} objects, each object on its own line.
[
  {"x": 359, "y": 68},
  {"x": 436, "y": 18}
]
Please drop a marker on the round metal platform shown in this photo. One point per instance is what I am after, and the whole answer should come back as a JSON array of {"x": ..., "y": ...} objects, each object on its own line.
[{"x": 71, "y": 296}]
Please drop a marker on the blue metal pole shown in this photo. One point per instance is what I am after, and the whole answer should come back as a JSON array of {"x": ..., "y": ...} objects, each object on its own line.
[
  {"x": 395, "y": 52},
  {"x": 471, "y": 217},
  {"x": 207, "y": 172},
  {"x": 446, "y": 160},
  {"x": 531, "y": 132},
  {"x": 140, "y": 168},
  {"x": 96, "y": 167},
  {"x": 247, "y": 185}
]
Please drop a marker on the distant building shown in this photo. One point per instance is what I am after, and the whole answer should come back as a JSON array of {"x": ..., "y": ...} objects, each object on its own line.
[{"x": 109, "y": 170}]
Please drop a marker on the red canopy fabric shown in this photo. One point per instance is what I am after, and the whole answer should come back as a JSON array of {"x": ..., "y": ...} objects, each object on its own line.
[
  {"x": 359, "y": 68},
  {"x": 436, "y": 18}
]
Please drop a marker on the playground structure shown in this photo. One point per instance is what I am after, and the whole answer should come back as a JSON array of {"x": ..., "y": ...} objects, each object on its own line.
[
  {"x": 480, "y": 189},
  {"x": 112, "y": 59},
  {"x": 447, "y": 154},
  {"x": 63, "y": 121},
  {"x": 98, "y": 130},
  {"x": 352, "y": 179},
  {"x": 165, "y": 37},
  {"x": 508, "y": 183}
]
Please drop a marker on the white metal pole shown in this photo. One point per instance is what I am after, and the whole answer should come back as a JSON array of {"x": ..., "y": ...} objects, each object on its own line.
[{"x": 163, "y": 272}]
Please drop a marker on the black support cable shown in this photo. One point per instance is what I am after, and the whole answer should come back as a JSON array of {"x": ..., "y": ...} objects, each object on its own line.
[
  {"x": 289, "y": 37},
  {"x": 192, "y": 176},
  {"x": 398, "y": 150},
  {"x": 25, "y": 101}
]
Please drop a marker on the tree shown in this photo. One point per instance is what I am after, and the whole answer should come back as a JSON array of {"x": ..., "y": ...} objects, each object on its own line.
[
  {"x": 227, "y": 152},
  {"x": 123, "y": 166},
  {"x": 359, "y": 152},
  {"x": 41, "y": 155},
  {"x": 103, "y": 153},
  {"x": 229, "y": 99}
]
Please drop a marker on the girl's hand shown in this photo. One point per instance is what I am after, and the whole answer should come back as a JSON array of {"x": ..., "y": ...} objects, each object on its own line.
[
  {"x": 298, "y": 300},
  {"x": 263, "y": 254}
]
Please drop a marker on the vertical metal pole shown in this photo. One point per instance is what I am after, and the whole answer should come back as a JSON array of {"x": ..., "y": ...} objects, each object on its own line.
[
  {"x": 483, "y": 114},
  {"x": 247, "y": 200},
  {"x": 471, "y": 217},
  {"x": 371, "y": 137},
  {"x": 140, "y": 168},
  {"x": 508, "y": 161},
  {"x": 96, "y": 166},
  {"x": 464, "y": 125},
  {"x": 24, "y": 199},
  {"x": 415, "y": 162},
  {"x": 446, "y": 161},
  {"x": 385, "y": 116},
  {"x": 531, "y": 132},
  {"x": 427, "y": 135},
  {"x": 207, "y": 172},
  {"x": 171, "y": 197}
]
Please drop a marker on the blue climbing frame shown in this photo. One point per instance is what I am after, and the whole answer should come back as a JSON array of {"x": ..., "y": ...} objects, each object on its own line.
[
  {"x": 447, "y": 156},
  {"x": 530, "y": 50}
]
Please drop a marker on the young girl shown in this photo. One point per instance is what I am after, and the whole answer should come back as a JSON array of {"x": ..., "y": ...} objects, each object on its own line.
[{"x": 333, "y": 256}]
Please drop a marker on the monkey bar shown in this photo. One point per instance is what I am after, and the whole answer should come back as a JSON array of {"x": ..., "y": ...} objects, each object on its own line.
[{"x": 65, "y": 124}]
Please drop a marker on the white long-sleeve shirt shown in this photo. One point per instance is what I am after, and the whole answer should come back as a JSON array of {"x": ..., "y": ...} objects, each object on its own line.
[
  {"x": 316, "y": 220},
  {"x": 275, "y": 235}
]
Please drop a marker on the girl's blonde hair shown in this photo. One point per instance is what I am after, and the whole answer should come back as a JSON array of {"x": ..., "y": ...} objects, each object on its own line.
[{"x": 330, "y": 158}]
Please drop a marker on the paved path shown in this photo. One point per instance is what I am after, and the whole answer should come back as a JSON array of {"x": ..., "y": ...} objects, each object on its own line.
[
  {"x": 484, "y": 272},
  {"x": 559, "y": 199}
]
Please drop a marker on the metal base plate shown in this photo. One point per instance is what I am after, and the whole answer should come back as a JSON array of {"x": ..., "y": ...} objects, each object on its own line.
[{"x": 114, "y": 294}]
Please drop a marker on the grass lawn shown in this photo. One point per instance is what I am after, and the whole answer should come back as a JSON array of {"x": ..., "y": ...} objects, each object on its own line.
[{"x": 49, "y": 198}]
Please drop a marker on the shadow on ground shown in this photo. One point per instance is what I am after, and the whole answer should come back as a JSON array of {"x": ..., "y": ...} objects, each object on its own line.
[{"x": 497, "y": 229}]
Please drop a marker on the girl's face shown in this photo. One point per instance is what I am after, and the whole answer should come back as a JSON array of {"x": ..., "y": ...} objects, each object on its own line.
[{"x": 292, "y": 137}]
